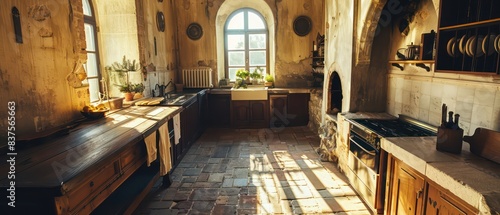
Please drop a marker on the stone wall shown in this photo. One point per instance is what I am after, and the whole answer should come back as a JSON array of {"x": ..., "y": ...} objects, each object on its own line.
[{"x": 315, "y": 103}]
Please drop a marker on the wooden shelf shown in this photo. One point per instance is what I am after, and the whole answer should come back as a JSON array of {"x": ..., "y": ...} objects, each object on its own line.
[
  {"x": 471, "y": 24},
  {"x": 419, "y": 63}
]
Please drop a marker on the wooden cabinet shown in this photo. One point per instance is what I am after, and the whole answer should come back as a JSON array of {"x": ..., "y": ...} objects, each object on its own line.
[
  {"x": 250, "y": 114},
  {"x": 466, "y": 33},
  {"x": 278, "y": 111},
  {"x": 439, "y": 201},
  {"x": 219, "y": 109},
  {"x": 409, "y": 192},
  {"x": 406, "y": 191},
  {"x": 298, "y": 109},
  {"x": 190, "y": 127}
]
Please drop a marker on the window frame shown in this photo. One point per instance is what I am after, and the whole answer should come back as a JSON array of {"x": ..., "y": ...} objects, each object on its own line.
[
  {"x": 246, "y": 32},
  {"x": 91, "y": 20}
]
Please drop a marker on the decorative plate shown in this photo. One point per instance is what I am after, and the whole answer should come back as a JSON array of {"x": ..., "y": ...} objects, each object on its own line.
[
  {"x": 302, "y": 25},
  {"x": 160, "y": 21},
  {"x": 194, "y": 31}
]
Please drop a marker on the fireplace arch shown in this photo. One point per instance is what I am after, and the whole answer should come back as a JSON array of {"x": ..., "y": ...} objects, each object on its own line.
[{"x": 335, "y": 95}]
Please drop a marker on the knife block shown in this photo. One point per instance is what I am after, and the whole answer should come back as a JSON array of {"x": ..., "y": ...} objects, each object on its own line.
[{"x": 449, "y": 140}]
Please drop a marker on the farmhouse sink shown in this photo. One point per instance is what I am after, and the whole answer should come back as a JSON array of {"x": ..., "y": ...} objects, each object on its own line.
[{"x": 250, "y": 93}]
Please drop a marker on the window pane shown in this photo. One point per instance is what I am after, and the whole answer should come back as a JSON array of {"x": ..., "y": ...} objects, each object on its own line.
[
  {"x": 254, "y": 21},
  {"x": 93, "y": 89},
  {"x": 237, "y": 22},
  {"x": 89, "y": 37},
  {"x": 263, "y": 72},
  {"x": 236, "y": 58},
  {"x": 257, "y": 41},
  {"x": 86, "y": 8},
  {"x": 91, "y": 65},
  {"x": 236, "y": 42},
  {"x": 257, "y": 58},
  {"x": 232, "y": 73}
]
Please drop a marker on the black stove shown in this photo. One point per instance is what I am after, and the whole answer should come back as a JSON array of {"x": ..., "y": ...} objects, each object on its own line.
[{"x": 394, "y": 128}]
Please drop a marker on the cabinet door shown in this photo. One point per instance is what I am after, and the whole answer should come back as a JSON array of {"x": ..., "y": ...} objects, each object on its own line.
[
  {"x": 441, "y": 202},
  {"x": 240, "y": 113},
  {"x": 259, "y": 114},
  {"x": 278, "y": 111},
  {"x": 298, "y": 109},
  {"x": 407, "y": 190},
  {"x": 219, "y": 109}
]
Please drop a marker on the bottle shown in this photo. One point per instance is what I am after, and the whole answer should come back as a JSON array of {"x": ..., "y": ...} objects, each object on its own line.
[
  {"x": 450, "y": 123},
  {"x": 455, "y": 124}
]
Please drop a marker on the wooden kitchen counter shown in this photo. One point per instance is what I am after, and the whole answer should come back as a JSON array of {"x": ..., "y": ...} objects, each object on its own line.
[
  {"x": 471, "y": 178},
  {"x": 91, "y": 158}
]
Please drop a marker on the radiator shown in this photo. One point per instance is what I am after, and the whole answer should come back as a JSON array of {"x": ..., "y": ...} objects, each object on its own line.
[{"x": 199, "y": 77}]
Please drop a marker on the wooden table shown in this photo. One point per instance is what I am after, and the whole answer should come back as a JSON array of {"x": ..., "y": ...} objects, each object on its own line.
[{"x": 75, "y": 173}]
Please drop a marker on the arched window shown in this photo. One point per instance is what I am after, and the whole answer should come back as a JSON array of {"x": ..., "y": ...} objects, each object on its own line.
[
  {"x": 92, "y": 65},
  {"x": 246, "y": 42}
]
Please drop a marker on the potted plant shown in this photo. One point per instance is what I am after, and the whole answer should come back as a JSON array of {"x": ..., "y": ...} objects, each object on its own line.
[
  {"x": 242, "y": 75},
  {"x": 269, "y": 80},
  {"x": 138, "y": 89},
  {"x": 256, "y": 75},
  {"x": 128, "y": 91},
  {"x": 120, "y": 73}
]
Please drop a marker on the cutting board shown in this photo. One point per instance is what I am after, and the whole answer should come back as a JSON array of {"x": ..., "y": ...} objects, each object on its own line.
[
  {"x": 150, "y": 101},
  {"x": 485, "y": 143}
]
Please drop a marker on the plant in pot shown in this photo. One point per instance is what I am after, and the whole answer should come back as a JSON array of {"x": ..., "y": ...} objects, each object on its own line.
[
  {"x": 256, "y": 75},
  {"x": 242, "y": 75},
  {"x": 138, "y": 89},
  {"x": 128, "y": 91},
  {"x": 269, "y": 80},
  {"x": 119, "y": 74}
]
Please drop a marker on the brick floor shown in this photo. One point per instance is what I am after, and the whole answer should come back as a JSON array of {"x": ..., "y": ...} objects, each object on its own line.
[{"x": 254, "y": 171}]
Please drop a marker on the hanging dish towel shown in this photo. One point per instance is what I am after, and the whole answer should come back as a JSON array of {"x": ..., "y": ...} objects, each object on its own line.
[
  {"x": 177, "y": 128},
  {"x": 151, "y": 147},
  {"x": 164, "y": 150}
]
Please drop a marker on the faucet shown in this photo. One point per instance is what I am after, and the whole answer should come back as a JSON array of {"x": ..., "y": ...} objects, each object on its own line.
[{"x": 167, "y": 94}]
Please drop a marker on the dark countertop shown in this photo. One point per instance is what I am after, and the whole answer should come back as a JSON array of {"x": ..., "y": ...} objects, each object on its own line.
[
  {"x": 54, "y": 163},
  {"x": 276, "y": 90}
]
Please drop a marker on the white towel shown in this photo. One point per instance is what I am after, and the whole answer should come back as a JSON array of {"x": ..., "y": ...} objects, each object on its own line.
[
  {"x": 151, "y": 147},
  {"x": 177, "y": 128},
  {"x": 164, "y": 150}
]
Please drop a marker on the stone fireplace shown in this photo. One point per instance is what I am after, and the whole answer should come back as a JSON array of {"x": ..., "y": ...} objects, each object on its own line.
[{"x": 328, "y": 130}]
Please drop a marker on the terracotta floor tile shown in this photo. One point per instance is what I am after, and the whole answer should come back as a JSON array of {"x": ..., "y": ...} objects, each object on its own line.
[{"x": 254, "y": 171}]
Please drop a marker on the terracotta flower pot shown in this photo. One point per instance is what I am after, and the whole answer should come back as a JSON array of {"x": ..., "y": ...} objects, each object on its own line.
[{"x": 129, "y": 96}]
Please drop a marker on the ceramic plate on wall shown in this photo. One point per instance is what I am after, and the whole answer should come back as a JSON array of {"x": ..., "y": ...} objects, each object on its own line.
[
  {"x": 160, "y": 21},
  {"x": 302, "y": 25},
  {"x": 488, "y": 44},
  {"x": 194, "y": 31}
]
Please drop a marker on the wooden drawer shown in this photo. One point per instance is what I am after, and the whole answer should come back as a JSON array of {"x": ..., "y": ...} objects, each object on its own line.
[
  {"x": 90, "y": 188},
  {"x": 131, "y": 155}
]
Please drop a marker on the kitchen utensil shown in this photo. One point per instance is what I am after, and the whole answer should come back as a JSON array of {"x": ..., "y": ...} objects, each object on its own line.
[
  {"x": 488, "y": 44},
  {"x": 161, "y": 89},
  {"x": 485, "y": 143},
  {"x": 412, "y": 52}
]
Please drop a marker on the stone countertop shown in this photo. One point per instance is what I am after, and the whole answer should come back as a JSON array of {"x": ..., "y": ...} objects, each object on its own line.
[
  {"x": 276, "y": 90},
  {"x": 470, "y": 177}
]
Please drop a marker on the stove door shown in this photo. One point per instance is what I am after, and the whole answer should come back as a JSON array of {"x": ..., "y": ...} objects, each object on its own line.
[{"x": 364, "y": 151}]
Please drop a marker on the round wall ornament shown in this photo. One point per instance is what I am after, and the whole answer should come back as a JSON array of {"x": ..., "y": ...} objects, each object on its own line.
[
  {"x": 302, "y": 25},
  {"x": 160, "y": 21},
  {"x": 194, "y": 31}
]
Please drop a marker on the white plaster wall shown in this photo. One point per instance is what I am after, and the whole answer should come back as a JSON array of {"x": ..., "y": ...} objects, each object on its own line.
[{"x": 338, "y": 47}]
